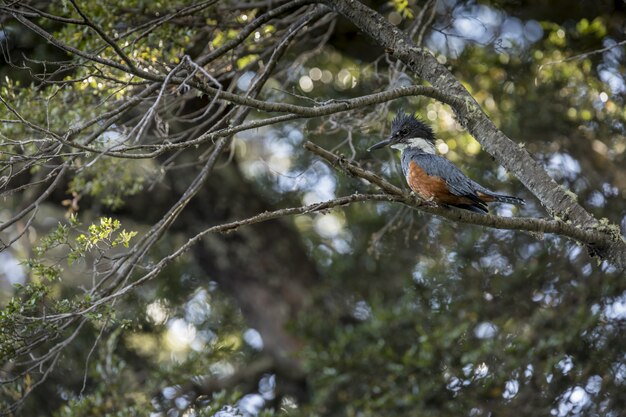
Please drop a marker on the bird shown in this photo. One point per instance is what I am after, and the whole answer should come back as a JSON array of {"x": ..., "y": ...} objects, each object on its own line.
[{"x": 432, "y": 177}]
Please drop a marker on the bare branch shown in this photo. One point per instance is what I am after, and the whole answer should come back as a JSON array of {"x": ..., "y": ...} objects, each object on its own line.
[
  {"x": 251, "y": 27},
  {"x": 588, "y": 236},
  {"x": 57, "y": 174},
  {"x": 297, "y": 112},
  {"x": 515, "y": 158},
  {"x": 87, "y": 21}
]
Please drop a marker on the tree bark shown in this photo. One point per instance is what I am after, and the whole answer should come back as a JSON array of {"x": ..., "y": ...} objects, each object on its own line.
[{"x": 559, "y": 202}]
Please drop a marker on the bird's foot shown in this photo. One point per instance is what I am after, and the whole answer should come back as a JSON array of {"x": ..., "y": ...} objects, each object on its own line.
[{"x": 430, "y": 202}]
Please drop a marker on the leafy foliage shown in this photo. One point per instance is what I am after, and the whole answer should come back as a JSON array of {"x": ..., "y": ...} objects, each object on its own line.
[{"x": 403, "y": 314}]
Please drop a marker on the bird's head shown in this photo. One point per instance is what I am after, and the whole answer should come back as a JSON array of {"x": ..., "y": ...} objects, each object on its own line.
[{"x": 407, "y": 131}]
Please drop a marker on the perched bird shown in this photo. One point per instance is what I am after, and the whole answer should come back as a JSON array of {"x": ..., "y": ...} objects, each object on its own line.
[{"x": 431, "y": 176}]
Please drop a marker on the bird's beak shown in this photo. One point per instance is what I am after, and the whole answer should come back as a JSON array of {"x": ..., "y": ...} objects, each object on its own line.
[{"x": 380, "y": 145}]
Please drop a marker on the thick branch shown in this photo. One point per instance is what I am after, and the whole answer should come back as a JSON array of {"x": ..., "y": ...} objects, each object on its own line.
[
  {"x": 591, "y": 237},
  {"x": 516, "y": 159}
]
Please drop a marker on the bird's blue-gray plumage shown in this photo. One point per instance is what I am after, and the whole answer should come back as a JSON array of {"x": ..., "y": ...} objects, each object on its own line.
[
  {"x": 458, "y": 183},
  {"x": 417, "y": 142},
  {"x": 437, "y": 166}
]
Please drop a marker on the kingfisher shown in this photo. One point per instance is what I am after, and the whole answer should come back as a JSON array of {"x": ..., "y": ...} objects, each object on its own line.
[{"x": 432, "y": 177}]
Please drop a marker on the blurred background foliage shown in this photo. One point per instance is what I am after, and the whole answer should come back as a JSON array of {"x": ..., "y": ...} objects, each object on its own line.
[{"x": 413, "y": 315}]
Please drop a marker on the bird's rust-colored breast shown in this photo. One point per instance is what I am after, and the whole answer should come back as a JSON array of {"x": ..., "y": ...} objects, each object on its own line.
[{"x": 432, "y": 187}]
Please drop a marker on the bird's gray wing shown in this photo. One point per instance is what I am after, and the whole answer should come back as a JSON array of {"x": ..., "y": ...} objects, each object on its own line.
[{"x": 458, "y": 183}]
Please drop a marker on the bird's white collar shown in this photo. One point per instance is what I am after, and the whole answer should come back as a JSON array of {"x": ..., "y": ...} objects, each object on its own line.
[{"x": 422, "y": 144}]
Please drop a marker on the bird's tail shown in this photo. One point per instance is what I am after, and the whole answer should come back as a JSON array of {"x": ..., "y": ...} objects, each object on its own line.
[
  {"x": 509, "y": 199},
  {"x": 503, "y": 198}
]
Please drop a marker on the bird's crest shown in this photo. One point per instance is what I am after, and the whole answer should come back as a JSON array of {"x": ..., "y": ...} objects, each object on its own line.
[{"x": 409, "y": 122}]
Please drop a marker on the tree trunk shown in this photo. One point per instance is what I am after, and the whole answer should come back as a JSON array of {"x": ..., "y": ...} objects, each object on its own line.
[{"x": 556, "y": 199}]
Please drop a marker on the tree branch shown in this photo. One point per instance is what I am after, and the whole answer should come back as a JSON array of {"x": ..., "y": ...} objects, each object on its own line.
[
  {"x": 588, "y": 236},
  {"x": 559, "y": 201},
  {"x": 105, "y": 37},
  {"x": 295, "y": 110}
]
